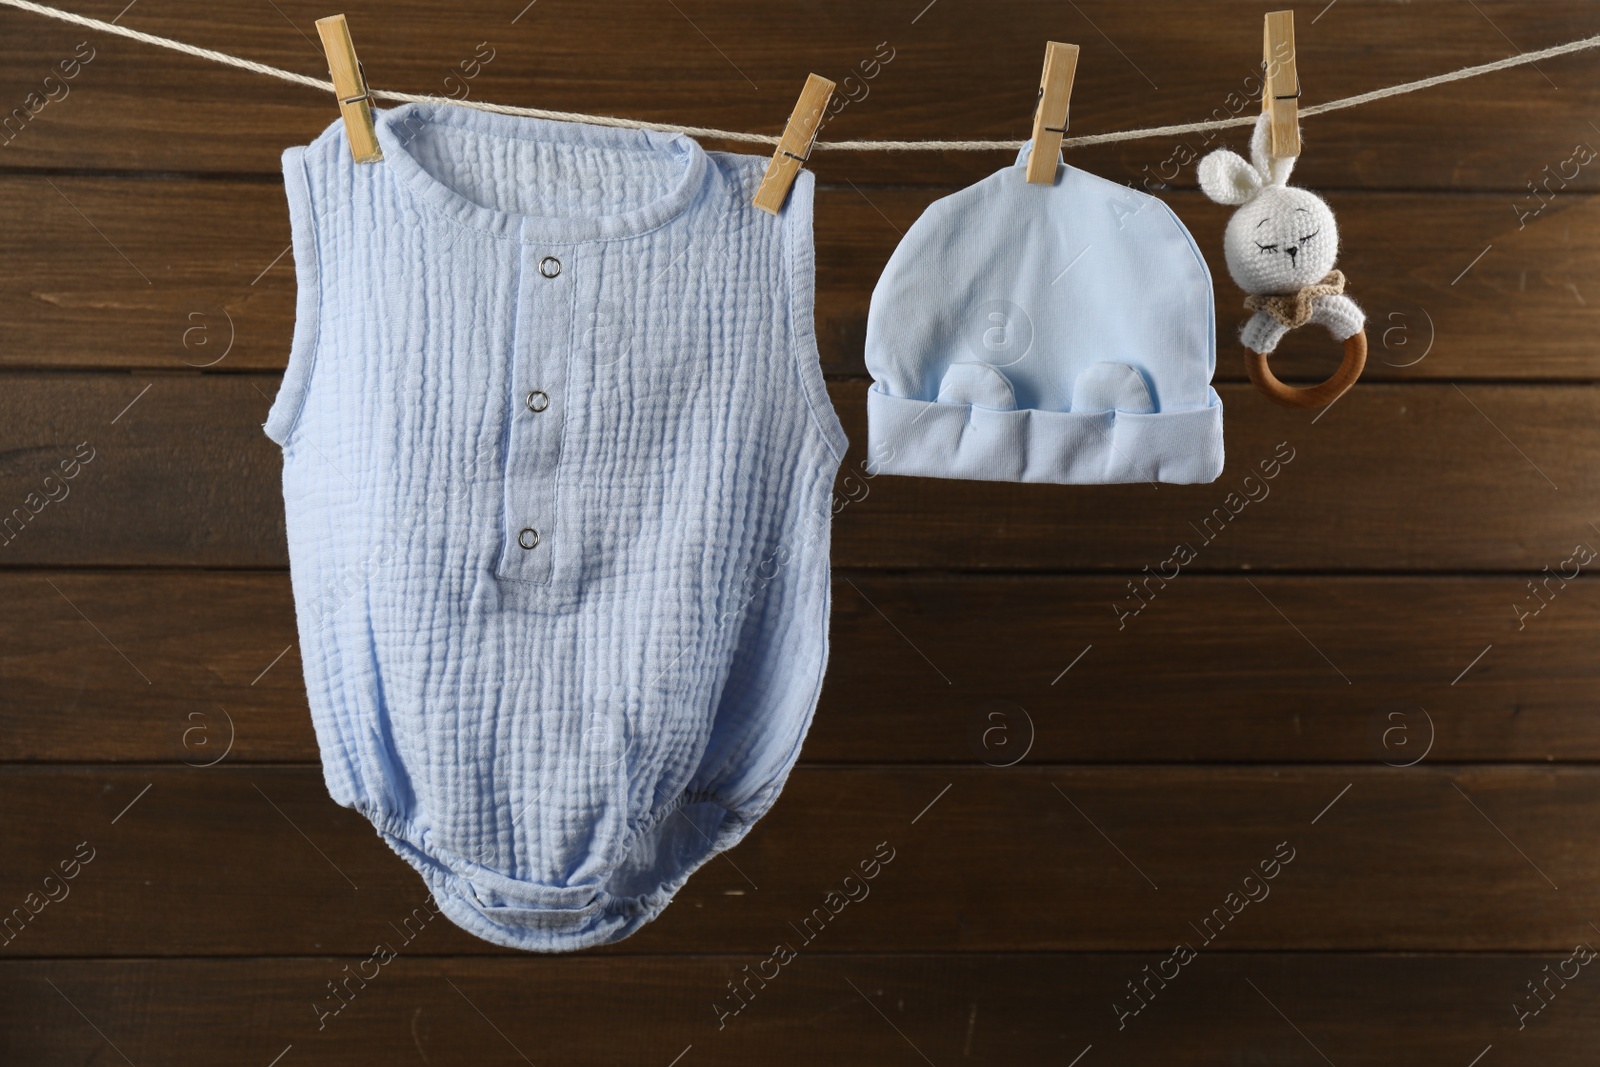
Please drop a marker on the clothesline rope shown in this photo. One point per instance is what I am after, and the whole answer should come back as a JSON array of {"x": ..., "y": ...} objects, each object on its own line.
[{"x": 1522, "y": 59}]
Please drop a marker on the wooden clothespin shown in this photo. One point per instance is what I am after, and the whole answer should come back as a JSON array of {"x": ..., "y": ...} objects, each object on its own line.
[
  {"x": 1050, "y": 113},
  {"x": 350, "y": 86},
  {"x": 1280, "y": 88},
  {"x": 795, "y": 146}
]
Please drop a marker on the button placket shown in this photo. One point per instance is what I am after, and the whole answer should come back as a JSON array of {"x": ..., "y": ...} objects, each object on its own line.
[{"x": 540, "y": 351}]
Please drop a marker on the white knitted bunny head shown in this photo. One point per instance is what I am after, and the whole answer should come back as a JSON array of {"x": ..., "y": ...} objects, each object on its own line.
[{"x": 1281, "y": 239}]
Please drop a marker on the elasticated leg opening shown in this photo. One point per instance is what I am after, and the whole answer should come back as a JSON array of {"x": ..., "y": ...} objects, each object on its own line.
[
  {"x": 659, "y": 859},
  {"x": 664, "y": 854}
]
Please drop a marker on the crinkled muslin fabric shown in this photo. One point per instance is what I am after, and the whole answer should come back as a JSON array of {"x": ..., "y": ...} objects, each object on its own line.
[
  {"x": 1045, "y": 333},
  {"x": 558, "y": 465}
]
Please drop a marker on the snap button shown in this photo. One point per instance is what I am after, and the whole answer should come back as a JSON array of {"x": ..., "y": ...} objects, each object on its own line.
[
  {"x": 538, "y": 400},
  {"x": 528, "y": 538},
  {"x": 549, "y": 266}
]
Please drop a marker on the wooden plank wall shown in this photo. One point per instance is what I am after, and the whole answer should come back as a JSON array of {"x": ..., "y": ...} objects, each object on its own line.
[{"x": 1368, "y": 681}]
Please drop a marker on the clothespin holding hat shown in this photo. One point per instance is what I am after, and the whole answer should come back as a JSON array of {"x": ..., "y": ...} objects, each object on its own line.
[
  {"x": 1050, "y": 113},
  {"x": 795, "y": 146},
  {"x": 350, "y": 86},
  {"x": 1280, "y": 88}
]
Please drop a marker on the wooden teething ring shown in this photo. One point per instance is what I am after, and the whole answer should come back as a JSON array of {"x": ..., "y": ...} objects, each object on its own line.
[{"x": 1314, "y": 396}]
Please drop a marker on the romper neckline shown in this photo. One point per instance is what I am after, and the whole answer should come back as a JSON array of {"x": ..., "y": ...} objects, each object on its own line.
[{"x": 448, "y": 201}]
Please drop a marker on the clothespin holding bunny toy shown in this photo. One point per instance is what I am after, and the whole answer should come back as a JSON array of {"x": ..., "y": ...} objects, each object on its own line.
[
  {"x": 1280, "y": 83},
  {"x": 1282, "y": 243}
]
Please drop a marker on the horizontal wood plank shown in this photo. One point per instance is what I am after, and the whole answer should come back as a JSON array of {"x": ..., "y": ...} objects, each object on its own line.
[
  {"x": 259, "y": 861},
  {"x": 1284, "y": 1009},
  {"x": 1389, "y": 478},
  {"x": 1408, "y": 477},
  {"x": 991, "y": 670},
  {"x": 956, "y": 72},
  {"x": 180, "y": 274}
]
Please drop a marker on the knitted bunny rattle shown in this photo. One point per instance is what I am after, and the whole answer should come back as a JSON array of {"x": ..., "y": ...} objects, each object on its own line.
[{"x": 1281, "y": 245}]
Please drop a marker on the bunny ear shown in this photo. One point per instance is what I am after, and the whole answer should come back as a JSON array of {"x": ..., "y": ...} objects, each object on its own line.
[
  {"x": 1276, "y": 171},
  {"x": 1226, "y": 178},
  {"x": 1282, "y": 167},
  {"x": 1261, "y": 144}
]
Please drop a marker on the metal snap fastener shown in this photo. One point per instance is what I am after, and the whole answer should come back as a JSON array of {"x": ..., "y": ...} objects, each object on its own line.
[
  {"x": 528, "y": 538},
  {"x": 549, "y": 266},
  {"x": 538, "y": 400}
]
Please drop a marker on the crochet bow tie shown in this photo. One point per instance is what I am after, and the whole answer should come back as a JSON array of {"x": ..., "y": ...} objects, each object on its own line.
[{"x": 1294, "y": 309}]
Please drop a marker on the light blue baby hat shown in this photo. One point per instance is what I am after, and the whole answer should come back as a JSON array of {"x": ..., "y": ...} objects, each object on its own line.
[{"x": 1045, "y": 333}]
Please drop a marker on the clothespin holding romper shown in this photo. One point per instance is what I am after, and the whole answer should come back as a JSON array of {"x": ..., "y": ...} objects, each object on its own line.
[
  {"x": 1050, "y": 113},
  {"x": 1280, "y": 88},
  {"x": 350, "y": 86},
  {"x": 795, "y": 146}
]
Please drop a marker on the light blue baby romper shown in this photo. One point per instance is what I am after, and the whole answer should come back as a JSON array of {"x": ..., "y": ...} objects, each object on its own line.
[{"x": 558, "y": 463}]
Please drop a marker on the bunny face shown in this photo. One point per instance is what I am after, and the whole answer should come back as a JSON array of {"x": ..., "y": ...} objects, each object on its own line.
[{"x": 1281, "y": 240}]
